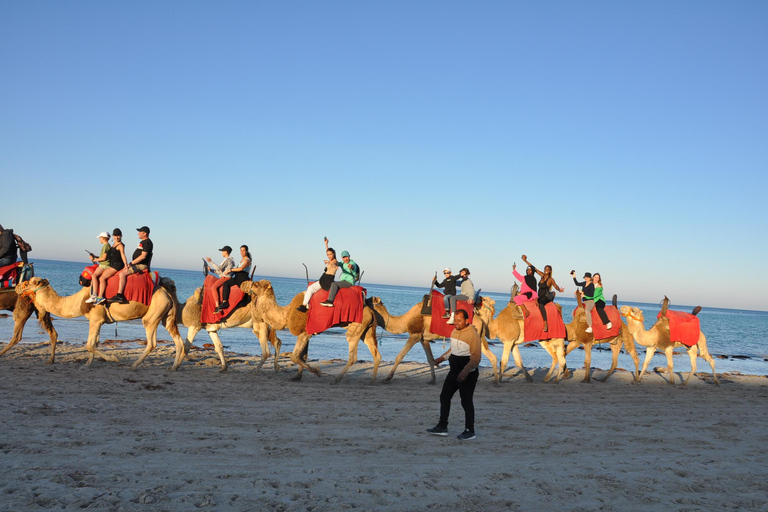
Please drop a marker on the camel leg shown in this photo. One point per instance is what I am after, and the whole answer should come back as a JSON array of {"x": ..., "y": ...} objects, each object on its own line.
[
  {"x": 45, "y": 321},
  {"x": 648, "y": 356},
  {"x": 182, "y": 346},
  {"x": 412, "y": 340},
  {"x": 150, "y": 326},
  {"x": 693, "y": 353},
  {"x": 219, "y": 348},
  {"x": 299, "y": 354},
  {"x": 615, "y": 349},
  {"x": 370, "y": 340},
  {"x": 546, "y": 344},
  {"x": 559, "y": 347},
  {"x": 519, "y": 362},
  {"x": 505, "y": 357},
  {"x": 430, "y": 359},
  {"x": 587, "y": 361},
  {"x": 192, "y": 332},
  {"x": 704, "y": 352},
  {"x": 91, "y": 346},
  {"x": 21, "y": 313},
  {"x": 492, "y": 358},
  {"x": 277, "y": 343},
  {"x": 670, "y": 365},
  {"x": 351, "y": 359},
  {"x": 261, "y": 331}
]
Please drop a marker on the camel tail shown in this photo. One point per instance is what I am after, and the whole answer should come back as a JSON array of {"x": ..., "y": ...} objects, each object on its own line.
[
  {"x": 171, "y": 321},
  {"x": 271, "y": 334}
]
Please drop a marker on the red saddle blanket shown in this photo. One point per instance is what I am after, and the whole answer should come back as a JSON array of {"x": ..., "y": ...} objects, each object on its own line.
[
  {"x": 683, "y": 327},
  {"x": 9, "y": 275},
  {"x": 347, "y": 307},
  {"x": 599, "y": 331},
  {"x": 534, "y": 323},
  {"x": 138, "y": 287},
  {"x": 207, "y": 316},
  {"x": 440, "y": 325}
]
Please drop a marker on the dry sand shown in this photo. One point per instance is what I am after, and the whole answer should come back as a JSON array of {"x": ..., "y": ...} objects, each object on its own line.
[{"x": 109, "y": 438}]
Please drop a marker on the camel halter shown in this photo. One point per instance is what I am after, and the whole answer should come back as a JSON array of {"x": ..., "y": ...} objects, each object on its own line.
[
  {"x": 633, "y": 317},
  {"x": 29, "y": 293}
]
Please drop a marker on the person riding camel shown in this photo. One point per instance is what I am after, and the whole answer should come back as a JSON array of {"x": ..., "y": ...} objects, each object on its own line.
[{"x": 545, "y": 284}]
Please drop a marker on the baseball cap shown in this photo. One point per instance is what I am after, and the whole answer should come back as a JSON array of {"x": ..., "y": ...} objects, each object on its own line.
[
  {"x": 447, "y": 269},
  {"x": 226, "y": 248},
  {"x": 144, "y": 229},
  {"x": 117, "y": 232},
  {"x": 344, "y": 253},
  {"x": 103, "y": 234}
]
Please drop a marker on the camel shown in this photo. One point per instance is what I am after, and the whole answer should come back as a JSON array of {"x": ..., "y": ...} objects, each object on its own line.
[
  {"x": 287, "y": 317},
  {"x": 577, "y": 336},
  {"x": 244, "y": 317},
  {"x": 161, "y": 308},
  {"x": 22, "y": 309},
  {"x": 657, "y": 338},
  {"x": 418, "y": 328},
  {"x": 508, "y": 327}
]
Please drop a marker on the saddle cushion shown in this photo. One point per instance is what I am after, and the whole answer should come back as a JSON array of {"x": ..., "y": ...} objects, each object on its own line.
[
  {"x": 237, "y": 299},
  {"x": 599, "y": 331},
  {"x": 534, "y": 323},
  {"x": 138, "y": 287},
  {"x": 683, "y": 327},
  {"x": 347, "y": 308},
  {"x": 9, "y": 275},
  {"x": 440, "y": 325}
]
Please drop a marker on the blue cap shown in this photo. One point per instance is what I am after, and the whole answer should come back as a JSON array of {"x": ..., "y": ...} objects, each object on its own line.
[{"x": 344, "y": 254}]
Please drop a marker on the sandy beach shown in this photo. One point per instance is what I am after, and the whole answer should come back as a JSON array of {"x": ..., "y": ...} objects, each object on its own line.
[{"x": 109, "y": 438}]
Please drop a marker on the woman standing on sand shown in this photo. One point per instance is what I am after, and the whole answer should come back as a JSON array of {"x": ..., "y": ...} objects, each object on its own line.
[
  {"x": 600, "y": 301},
  {"x": 545, "y": 284},
  {"x": 325, "y": 281},
  {"x": 237, "y": 276}
]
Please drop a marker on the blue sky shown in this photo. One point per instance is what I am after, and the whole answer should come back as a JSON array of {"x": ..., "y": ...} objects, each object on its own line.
[{"x": 627, "y": 138}]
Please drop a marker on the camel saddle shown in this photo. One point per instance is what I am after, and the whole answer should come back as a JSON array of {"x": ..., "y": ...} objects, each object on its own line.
[
  {"x": 534, "y": 323},
  {"x": 601, "y": 332},
  {"x": 237, "y": 299},
  {"x": 347, "y": 308},
  {"x": 138, "y": 287},
  {"x": 683, "y": 327},
  {"x": 9, "y": 275},
  {"x": 440, "y": 325}
]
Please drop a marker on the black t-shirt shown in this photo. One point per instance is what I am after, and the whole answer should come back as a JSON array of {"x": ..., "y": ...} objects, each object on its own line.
[{"x": 144, "y": 246}]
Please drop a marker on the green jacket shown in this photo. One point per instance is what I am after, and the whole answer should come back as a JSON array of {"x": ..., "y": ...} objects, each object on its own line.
[{"x": 348, "y": 275}]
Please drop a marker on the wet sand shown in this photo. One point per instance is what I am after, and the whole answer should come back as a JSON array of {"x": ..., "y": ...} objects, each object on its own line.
[{"x": 109, "y": 438}]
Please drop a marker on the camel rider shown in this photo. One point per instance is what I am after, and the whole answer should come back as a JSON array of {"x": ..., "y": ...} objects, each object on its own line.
[
  {"x": 545, "y": 283},
  {"x": 588, "y": 291},
  {"x": 140, "y": 262},
  {"x": 467, "y": 293},
  {"x": 103, "y": 261},
  {"x": 449, "y": 283},
  {"x": 349, "y": 275},
  {"x": 10, "y": 244},
  {"x": 226, "y": 265}
]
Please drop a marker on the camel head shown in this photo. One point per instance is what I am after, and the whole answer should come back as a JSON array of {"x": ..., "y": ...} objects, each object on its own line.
[
  {"x": 633, "y": 313},
  {"x": 489, "y": 303},
  {"x": 258, "y": 289},
  {"x": 33, "y": 284},
  {"x": 375, "y": 301}
]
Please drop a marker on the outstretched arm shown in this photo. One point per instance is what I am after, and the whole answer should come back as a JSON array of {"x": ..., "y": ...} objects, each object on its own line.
[
  {"x": 553, "y": 283},
  {"x": 525, "y": 259}
]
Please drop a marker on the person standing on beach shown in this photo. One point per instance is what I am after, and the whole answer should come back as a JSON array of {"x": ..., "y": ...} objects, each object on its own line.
[
  {"x": 467, "y": 293},
  {"x": 449, "y": 283},
  {"x": 464, "y": 359},
  {"x": 588, "y": 292},
  {"x": 140, "y": 262},
  {"x": 349, "y": 274},
  {"x": 325, "y": 281}
]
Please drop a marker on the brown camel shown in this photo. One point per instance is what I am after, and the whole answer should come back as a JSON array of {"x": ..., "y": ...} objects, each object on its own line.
[
  {"x": 22, "y": 309},
  {"x": 287, "y": 317},
  {"x": 161, "y": 308},
  {"x": 508, "y": 327},
  {"x": 418, "y": 328},
  {"x": 657, "y": 338},
  {"x": 577, "y": 335},
  {"x": 245, "y": 317}
]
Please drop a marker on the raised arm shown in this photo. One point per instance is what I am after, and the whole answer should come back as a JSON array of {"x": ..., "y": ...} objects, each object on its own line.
[
  {"x": 552, "y": 282},
  {"x": 525, "y": 259},
  {"x": 325, "y": 239}
]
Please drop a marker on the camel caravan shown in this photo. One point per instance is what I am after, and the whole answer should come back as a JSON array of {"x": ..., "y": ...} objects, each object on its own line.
[{"x": 327, "y": 303}]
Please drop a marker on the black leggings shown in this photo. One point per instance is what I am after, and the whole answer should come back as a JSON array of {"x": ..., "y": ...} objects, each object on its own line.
[
  {"x": 235, "y": 280},
  {"x": 544, "y": 299},
  {"x": 466, "y": 390},
  {"x": 600, "y": 307}
]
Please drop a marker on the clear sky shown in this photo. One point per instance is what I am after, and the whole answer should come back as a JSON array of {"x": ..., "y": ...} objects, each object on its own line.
[{"x": 629, "y": 138}]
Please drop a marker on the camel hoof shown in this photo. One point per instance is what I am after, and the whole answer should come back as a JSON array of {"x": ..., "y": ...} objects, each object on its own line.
[
  {"x": 296, "y": 378},
  {"x": 223, "y": 370},
  {"x": 432, "y": 382},
  {"x": 133, "y": 368},
  {"x": 388, "y": 379},
  {"x": 528, "y": 378},
  {"x": 586, "y": 381},
  {"x": 173, "y": 368},
  {"x": 496, "y": 383}
]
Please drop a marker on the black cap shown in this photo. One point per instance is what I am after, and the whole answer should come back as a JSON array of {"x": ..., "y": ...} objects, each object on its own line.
[
  {"x": 587, "y": 274},
  {"x": 117, "y": 232},
  {"x": 144, "y": 229},
  {"x": 226, "y": 248}
]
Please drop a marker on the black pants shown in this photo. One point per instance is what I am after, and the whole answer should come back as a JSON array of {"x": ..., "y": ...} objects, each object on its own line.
[
  {"x": 236, "y": 279},
  {"x": 600, "y": 307},
  {"x": 466, "y": 390},
  {"x": 545, "y": 299}
]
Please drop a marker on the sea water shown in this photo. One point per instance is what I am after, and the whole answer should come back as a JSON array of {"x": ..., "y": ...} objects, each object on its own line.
[{"x": 738, "y": 335}]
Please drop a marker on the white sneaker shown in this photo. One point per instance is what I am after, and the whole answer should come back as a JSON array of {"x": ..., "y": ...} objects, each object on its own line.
[
  {"x": 609, "y": 326},
  {"x": 91, "y": 299},
  {"x": 588, "y": 329},
  {"x": 450, "y": 320}
]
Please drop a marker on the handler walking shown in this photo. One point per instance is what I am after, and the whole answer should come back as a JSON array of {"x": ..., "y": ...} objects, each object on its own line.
[{"x": 462, "y": 376}]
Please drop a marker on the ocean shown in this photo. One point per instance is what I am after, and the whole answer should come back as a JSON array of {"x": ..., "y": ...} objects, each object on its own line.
[{"x": 736, "y": 338}]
